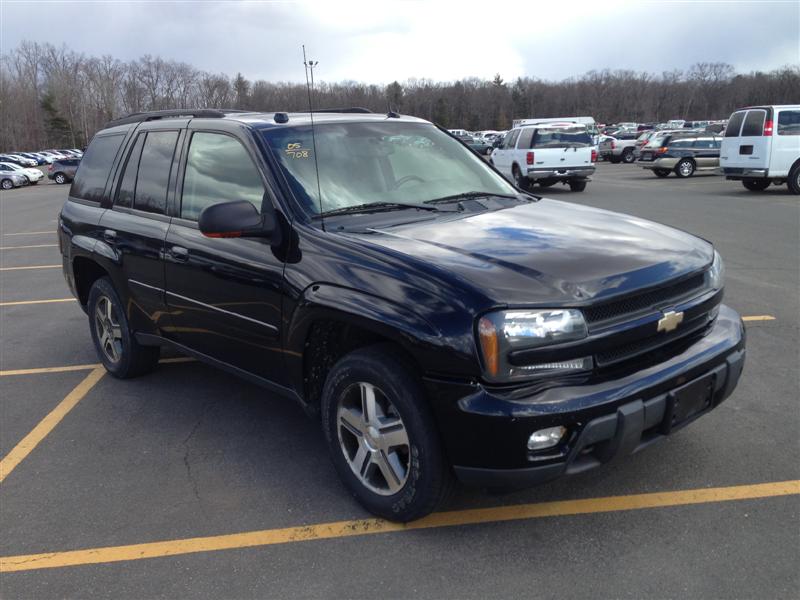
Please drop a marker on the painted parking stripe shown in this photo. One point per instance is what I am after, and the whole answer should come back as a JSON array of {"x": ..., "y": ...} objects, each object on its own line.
[
  {"x": 31, "y": 233},
  {"x": 87, "y": 367},
  {"x": 362, "y": 527},
  {"x": 30, "y": 268},
  {"x": 46, "y": 425},
  {"x": 30, "y": 246},
  {"x": 22, "y": 302},
  {"x": 759, "y": 318}
]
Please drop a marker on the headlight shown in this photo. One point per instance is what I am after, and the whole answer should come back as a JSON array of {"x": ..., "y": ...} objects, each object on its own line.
[
  {"x": 715, "y": 276},
  {"x": 504, "y": 332}
]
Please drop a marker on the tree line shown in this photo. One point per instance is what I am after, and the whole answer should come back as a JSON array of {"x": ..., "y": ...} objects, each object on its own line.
[{"x": 55, "y": 97}]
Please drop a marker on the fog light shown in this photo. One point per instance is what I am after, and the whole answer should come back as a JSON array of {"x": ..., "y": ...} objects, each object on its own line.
[{"x": 546, "y": 438}]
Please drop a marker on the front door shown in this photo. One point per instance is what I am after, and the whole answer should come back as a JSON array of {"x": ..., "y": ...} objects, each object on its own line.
[{"x": 224, "y": 294}]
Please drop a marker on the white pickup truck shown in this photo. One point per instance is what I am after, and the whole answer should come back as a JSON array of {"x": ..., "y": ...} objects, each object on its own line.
[{"x": 547, "y": 154}]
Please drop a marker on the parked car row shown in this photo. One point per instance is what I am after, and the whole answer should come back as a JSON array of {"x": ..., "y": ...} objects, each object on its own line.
[
  {"x": 16, "y": 170},
  {"x": 43, "y": 157}
]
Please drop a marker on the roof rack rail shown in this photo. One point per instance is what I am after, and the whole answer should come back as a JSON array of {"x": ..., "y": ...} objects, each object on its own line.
[
  {"x": 352, "y": 109},
  {"x": 154, "y": 115}
]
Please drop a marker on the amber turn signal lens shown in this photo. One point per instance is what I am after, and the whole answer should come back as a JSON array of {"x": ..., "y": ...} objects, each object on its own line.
[{"x": 489, "y": 346}]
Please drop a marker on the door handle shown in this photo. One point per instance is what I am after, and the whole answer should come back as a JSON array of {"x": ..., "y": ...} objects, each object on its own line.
[
  {"x": 110, "y": 236},
  {"x": 179, "y": 253}
]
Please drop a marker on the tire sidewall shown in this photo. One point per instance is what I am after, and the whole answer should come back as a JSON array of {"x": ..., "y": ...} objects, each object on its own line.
[
  {"x": 426, "y": 462},
  {"x": 103, "y": 287}
]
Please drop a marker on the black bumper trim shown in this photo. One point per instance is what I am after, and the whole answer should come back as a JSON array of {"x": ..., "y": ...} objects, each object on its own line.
[{"x": 630, "y": 428}]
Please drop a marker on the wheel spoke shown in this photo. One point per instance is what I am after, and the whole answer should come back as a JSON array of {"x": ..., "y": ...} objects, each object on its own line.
[
  {"x": 107, "y": 304},
  {"x": 394, "y": 435},
  {"x": 116, "y": 332},
  {"x": 362, "y": 459},
  {"x": 351, "y": 421},
  {"x": 368, "y": 404},
  {"x": 392, "y": 478}
]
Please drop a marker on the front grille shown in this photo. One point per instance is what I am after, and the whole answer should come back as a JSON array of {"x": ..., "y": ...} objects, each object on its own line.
[{"x": 629, "y": 306}]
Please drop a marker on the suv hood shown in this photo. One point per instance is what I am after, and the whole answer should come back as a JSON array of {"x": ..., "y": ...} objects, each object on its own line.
[{"x": 548, "y": 252}]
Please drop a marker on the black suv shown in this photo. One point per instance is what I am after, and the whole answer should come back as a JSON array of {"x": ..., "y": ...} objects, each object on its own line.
[{"x": 373, "y": 268}]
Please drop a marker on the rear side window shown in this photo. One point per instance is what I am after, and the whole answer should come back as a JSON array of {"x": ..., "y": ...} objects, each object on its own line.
[
  {"x": 154, "y": 167},
  {"x": 754, "y": 123},
  {"x": 706, "y": 144},
  {"x": 681, "y": 144},
  {"x": 789, "y": 122},
  {"x": 511, "y": 141},
  {"x": 525, "y": 138},
  {"x": 218, "y": 169},
  {"x": 735, "y": 124},
  {"x": 90, "y": 180}
]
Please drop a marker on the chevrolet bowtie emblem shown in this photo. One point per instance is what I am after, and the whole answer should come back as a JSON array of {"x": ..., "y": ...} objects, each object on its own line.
[{"x": 670, "y": 321}]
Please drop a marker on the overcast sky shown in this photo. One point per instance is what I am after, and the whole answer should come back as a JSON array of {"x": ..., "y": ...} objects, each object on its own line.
[{"x": 378, "y": 42}]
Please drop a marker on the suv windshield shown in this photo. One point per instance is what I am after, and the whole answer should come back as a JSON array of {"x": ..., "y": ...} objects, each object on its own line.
[
  {"x": 561, "y": 137},
  {"x": 378, "y": 163}
]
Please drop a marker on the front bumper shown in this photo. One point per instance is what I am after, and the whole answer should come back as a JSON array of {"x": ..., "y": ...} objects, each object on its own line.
[
  {"x": 560, "y": 173},
  {"x": 485, "y": 432}
]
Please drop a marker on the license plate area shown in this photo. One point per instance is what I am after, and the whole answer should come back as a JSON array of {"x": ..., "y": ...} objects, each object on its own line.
[{"x": 687, "y": 402}]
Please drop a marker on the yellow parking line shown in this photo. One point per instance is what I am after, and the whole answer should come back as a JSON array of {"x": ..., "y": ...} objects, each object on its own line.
[
  {"x": 759, "y": 318},
  {"x": 31, "y": 246},
  {"x": 87, "y": 367},
  {"x": 360, "y": 527},
  {"x": 46, "y": 425},
  {"x": 53, "y": 232},
  {"x": 28, "y": 268},
  {"x": 21, "y": 302}
]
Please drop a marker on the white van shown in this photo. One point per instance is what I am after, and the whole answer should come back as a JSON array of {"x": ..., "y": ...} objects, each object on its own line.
[
  {"x": 762, "y": 146},
  {"x": 547, "y": 153}
]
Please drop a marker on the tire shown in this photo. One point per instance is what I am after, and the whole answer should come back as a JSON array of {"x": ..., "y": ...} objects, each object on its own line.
[
  {"x": 685, "y": 168},
  {"x": 7, "y": 184},
  {"x": 546, "y": 183},
  {"x": 627, "y": 156},
  {"x": 60, "y": 178},
  {"x": 756, "y": 185},
  {"x": 661, "y": 172},
  {"x": 488, "y": 151},
  {"x": 121, "y": 354},
  {"x": 794, "y": 180},
  {"x": 416, "y": 478},
  {"x": 520, "y": 181},
  {"x": 614, "y": 160},
  {"x": 577, "y": 186}
]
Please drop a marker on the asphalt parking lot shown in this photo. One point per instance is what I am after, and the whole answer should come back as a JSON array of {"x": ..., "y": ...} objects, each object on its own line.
[{"x": 188, "y": 482}]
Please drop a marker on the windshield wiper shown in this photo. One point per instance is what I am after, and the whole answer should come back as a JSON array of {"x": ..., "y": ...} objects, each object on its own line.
[
  {"x": 376, "y": 207},
  {"x": 470, "y": 196}
]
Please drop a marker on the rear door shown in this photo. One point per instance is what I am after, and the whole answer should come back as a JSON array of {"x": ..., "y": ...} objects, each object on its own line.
[
  {"x": 786, "y": 142},
  {"x": 706, "y": 152},
  {"x": 747, "y": 147},
  {"x": 224, "y": 294},
  {"x": 136, "y": 226}
]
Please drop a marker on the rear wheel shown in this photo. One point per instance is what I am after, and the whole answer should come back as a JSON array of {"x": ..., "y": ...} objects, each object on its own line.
[
  {"x": 577, "y": 186},
  {"x": 614, "y": 159},
  {"x": 627, "y": 156},
  {"x": 794, "y": 180},
  {"x": 756, "y": 185},
  {"x": 521, "y": 181},
  {"x": 661, "y": 172},
  {"x": 60, "y": 178},
  {"x": 120, "y": 353},
  {"x": 7, "y": 184},
  {"x": 381, "y": 435},
  {"x": 685, "y": 168}
]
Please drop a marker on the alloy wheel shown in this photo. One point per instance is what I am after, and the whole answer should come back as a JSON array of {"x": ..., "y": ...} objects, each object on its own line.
[
  {"x": 109, "y": 332},
  {"x": 7, "y": 185},
  {"x": 373, "y": 439},
  {"x": 686, "y": 168}
]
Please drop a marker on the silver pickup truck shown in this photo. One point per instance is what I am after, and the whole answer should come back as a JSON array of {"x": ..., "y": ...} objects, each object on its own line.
[{"x": 619, "y": 148}]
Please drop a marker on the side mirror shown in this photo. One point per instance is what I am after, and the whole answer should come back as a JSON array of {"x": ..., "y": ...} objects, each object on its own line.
[{"x": 236, "y": 219}]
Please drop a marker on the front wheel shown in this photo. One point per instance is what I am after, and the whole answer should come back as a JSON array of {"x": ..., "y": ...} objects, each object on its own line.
[
  {"x": 628, "y": 157},
  {"x": 7, "y": 184},
  {"x": 120, "y": 353},
  {"x": 685, "y": 168},
  {"x": 756, "y": 185},
  {"x": 577, "y": 186},
  {"x": 381, "y": 435},
  {"x": 661, "y": 172}
]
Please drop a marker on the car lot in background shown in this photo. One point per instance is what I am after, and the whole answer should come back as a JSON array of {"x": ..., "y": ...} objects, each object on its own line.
[
  {"x": 191, "y": 452},
  {"x": 11, "y": 178},
  {"x": 63, "y": 170},
  {"x": 32, "y": 175}
]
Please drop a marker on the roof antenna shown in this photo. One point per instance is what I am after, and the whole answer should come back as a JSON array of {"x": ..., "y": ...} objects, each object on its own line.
[{"x": 309, "y": 67}]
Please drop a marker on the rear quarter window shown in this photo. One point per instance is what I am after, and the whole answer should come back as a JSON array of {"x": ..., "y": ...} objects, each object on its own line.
[
  {"x": 735, "y": 124},
  {"x": 789, "y": 122},
  {"x": 90, "y": 180}
]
